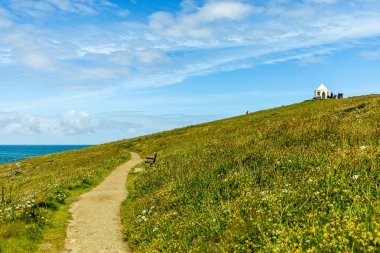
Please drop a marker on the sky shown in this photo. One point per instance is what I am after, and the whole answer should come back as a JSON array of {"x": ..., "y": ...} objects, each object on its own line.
[{"x": 94, "y": 71}]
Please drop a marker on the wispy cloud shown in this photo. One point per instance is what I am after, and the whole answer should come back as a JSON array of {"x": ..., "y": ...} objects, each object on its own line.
[
  {"x": 5, "y": 18},
  {"x": 201, "y": 23},
  {"x": 72, "y": 123},
  {"x": 169, "y": 47},
  {"x": 40, "y": 8}
]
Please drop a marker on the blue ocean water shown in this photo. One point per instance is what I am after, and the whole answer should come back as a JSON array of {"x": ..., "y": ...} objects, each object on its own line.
[{"x": 11, "y": 153}]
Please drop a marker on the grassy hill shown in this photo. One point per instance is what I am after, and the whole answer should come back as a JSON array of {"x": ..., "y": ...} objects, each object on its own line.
[
  {"x": 304, "y": 178},
  {"x": 300, "y": 178},
  {"x": 35, "y": 194}
]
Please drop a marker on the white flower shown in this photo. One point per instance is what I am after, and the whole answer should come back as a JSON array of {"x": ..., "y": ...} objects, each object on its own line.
[
  {"x": 317, "y": 193},
  {"x": 143, "y": 212},
  {"x": 363, "y": 147},
  {"x": 355, "y": 177},
  {"x": 155, "y": 229}
]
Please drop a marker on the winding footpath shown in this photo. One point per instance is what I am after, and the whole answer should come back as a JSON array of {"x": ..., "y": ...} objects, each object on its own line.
[{"x": 95, "y": 225}]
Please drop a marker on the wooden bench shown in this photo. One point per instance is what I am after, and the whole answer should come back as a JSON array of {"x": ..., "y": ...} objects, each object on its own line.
[{"x": 151, "y": 159}]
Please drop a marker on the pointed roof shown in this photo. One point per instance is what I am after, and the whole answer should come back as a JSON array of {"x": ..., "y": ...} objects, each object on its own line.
[{"x": 322, "y": 87}]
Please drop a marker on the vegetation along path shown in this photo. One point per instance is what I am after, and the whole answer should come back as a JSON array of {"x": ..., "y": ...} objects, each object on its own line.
[{"x": 95, "y": 224}]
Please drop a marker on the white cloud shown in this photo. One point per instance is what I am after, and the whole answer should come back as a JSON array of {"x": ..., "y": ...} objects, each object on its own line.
[
  {"x": 14, "y": 128},
  {"x": 29, "y": 49},
  {"x": 123, "y": 124},
  {"x": 74, "y": 122},
  {"x": 6, "y": 56},
  {"x": 302, "y": 57},
  {"x": 170, "y": 47},
  {"x": 218, "y": 10},
  {"x": 11, "y": 123},
  {"x": 39, "y": 8},
  {"x": 198, "y": 24},
  {"x": 5, "y": 19},
  {"x": 150, "y": 56},
  {"x": 37, "y": 60},
  {"x": 70, "y": 123},
  {"x": 31, "y": 8},
  {"x": 188, "y": 5}
]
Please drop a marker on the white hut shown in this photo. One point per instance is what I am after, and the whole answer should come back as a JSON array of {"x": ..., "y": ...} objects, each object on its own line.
[{"x": 322, "y": 92}]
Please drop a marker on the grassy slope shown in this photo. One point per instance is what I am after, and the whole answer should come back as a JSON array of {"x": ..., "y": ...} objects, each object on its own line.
[
  {"x": 286, "y": 179},
  {"x": 35, "y": 206},
  {"x": 303, "y": 177}
]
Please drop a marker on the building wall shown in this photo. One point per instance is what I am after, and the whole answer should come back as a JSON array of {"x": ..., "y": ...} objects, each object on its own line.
[{"x": 322, "y": 94}]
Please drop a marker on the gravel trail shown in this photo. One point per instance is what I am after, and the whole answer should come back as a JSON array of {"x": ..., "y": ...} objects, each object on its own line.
[{"x": 95, "y": 225}]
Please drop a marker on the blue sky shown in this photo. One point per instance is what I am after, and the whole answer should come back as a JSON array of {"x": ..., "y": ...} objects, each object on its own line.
[{"x": 93, "y": 71}]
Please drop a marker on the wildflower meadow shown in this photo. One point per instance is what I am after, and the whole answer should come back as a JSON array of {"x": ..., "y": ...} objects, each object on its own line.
[
  {"x": 299, "y": 178},
  {"x": 35, "y": 194}
]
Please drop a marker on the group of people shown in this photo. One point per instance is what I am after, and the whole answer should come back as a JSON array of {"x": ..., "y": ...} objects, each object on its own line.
[{"x": 339, "y": 96}]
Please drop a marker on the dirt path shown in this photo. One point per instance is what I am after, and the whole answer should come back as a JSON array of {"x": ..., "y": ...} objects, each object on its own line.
[{"x": 95, "y": 226}]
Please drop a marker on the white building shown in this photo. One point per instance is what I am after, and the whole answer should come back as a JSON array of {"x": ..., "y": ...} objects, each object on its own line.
[{"x": 322, "y": 92}]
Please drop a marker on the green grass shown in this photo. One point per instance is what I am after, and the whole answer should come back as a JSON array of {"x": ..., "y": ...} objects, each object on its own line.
[
  {"x": 303, "y": 178},
  {"x": 299, "y": 178},
  {"x": 38, "y": 191}
]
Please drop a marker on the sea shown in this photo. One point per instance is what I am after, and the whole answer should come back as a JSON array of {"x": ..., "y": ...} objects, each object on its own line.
[{"x": 13, "y": 153}]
